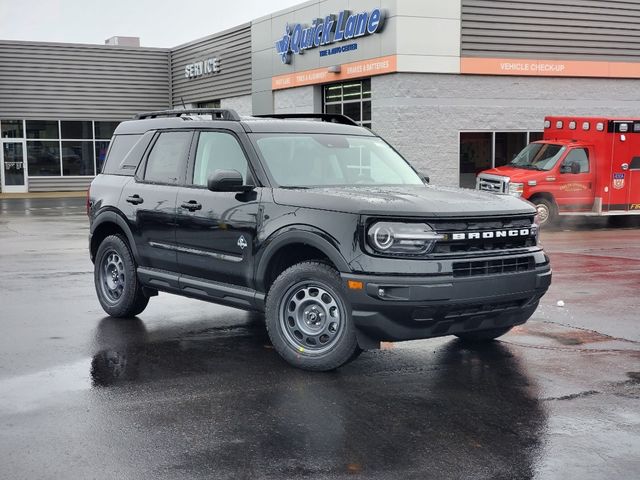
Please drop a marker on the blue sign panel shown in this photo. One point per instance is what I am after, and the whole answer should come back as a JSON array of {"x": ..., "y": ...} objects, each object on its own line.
[{"x": 332, "y": 29}]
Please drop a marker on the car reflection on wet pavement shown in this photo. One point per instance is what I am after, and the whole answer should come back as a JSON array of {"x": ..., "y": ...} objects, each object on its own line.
[{"x": 192, "y": 390}]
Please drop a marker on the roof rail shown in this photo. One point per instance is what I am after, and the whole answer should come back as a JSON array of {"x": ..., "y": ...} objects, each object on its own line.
[
  {"x": 325, "y": 117},
  {"x": 216, "y": 113}
]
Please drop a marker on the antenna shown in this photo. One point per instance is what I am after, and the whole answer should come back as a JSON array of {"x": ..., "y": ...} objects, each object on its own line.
[{"x": 183, "y": 105}]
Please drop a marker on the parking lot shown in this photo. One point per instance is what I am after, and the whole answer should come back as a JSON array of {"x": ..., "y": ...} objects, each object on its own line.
[{"x": 195, "y": 390}]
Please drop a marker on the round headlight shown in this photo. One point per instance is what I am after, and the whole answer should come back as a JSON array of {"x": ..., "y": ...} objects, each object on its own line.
[{"x": 382, "y": 237}]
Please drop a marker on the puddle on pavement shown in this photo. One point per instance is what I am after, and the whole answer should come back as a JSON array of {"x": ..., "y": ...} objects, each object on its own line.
[
  {"x": 545, "y": 334},
  {"x": 34, "y": 390}
]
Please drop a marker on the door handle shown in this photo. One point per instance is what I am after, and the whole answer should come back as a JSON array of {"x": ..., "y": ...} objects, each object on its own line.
[
  {"x": 135, "y": 199},
  {"x": 191, "y": 205}
]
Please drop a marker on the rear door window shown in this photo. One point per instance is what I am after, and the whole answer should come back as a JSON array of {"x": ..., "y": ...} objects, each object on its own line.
[{"x": 166, "y": 161}]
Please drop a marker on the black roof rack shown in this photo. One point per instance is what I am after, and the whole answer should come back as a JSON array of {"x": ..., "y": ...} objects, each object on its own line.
[
  {"x": 216, "y": 113},
  {"x": 325, "y": 117}
]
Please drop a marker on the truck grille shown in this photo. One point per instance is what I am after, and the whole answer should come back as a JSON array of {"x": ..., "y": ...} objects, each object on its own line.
[
  {"x": 493, "y": 267},
  {"x": 492, "y": 183},
  {"x": 450, "y": 227}
]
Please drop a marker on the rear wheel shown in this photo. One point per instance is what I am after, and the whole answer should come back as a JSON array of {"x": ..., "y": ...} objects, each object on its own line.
[
  {"x": 116, "y": 281},
  {"x": 308, "y": 318},
  {"x": 483, "y": 335},
  {"x": 547, "y": 211}
]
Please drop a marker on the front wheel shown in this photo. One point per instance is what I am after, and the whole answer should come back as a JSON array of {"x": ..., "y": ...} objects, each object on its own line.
[
  {"x": 547, "y": 211},
  {"x": 117, "y": 285},
  {"x": 308, "y": 318},
  {"x": 483, "y": 335}
]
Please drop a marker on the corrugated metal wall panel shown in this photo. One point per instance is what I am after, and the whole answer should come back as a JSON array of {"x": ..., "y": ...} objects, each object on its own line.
[
  {"x": 232, "y": 48},
  {"x": 71, "y": 81},
  {"x": 568, "y": 29},
  {"x": 59, "y": 184}
]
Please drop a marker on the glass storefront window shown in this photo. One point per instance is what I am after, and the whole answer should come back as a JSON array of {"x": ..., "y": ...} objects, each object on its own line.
[
  {"x": 351, "y": 99},
  {"x": 77, "y": 158},
  {"x": 475, "y": 156},
  {"x": 483, "y": 150},
  {"x": 43, "y": 158},
  {"x": 11, "y": 128},
  {"x": 508, "y": 145},
  {"x": 535, "y": 136},
  {"x": 101, "y": 154},
  {"x": 76, "y": 130},
  {"x": 104, "y": 130},
  {"x": 209, "y": 104},
  {"x": 45, "y": 129}
]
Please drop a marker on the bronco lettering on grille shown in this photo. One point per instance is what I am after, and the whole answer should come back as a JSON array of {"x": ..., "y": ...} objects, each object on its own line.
[{"x": 520, "y": 232}]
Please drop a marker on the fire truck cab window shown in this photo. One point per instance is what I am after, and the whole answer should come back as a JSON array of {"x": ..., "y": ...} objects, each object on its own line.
[
  {"x": 579, "y": 156},
  {"x": 635, "y": 163}
]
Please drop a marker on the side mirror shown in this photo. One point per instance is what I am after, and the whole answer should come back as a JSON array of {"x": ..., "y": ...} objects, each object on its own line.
[
  {"x": 575, "y": 167},
  {"x": 572, "y": 167},
  {"x": 227, "y": 181},
  {"x": 425, "y": 178}
]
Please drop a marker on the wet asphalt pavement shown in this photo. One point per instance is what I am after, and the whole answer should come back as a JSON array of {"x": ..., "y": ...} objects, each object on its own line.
[{"x": 194, "y": 390}]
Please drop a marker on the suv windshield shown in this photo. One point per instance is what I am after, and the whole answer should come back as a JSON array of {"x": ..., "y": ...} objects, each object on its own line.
[
  {"x": 310, "y": 160},
  {"x": 538, "y": 156}
]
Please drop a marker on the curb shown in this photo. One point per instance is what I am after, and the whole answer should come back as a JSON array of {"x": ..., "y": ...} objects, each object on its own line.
[{"x": 29, "y": 195}]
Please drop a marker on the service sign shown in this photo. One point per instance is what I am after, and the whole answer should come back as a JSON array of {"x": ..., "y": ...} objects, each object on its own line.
[
  {"x": 333, "y": 28},
  {"x": 208, "y": 66}
]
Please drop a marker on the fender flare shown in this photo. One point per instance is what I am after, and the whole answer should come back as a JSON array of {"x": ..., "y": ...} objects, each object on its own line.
[
  {"x": 110, "y": 216},
  {"x": 298, "y": 234}
]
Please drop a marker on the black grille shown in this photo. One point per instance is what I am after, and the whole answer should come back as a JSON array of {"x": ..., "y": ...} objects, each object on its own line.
[
  {"x": 493, "y": 267},
  {"x": 482, "y": 225}
]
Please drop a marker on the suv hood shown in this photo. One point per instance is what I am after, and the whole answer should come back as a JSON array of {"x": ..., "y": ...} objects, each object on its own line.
[{"x": 403, "y": 201}]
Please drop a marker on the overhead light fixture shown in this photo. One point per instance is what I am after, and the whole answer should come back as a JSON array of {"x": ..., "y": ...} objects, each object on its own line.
[{"x": 334, "y": 69}]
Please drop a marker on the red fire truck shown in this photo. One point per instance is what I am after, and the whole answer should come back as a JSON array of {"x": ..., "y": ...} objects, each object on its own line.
[{"x": 582, "y": 166}]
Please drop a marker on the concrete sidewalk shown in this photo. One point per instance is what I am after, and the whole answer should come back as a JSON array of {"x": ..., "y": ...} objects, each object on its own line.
[{"x": 4, "y": 196}]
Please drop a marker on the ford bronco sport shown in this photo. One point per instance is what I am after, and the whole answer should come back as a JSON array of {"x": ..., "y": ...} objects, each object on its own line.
[{"x": 318, "y": 223}]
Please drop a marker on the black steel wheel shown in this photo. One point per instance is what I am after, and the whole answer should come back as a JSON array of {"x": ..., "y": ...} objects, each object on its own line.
[
  {"x": 308, "y": 318},
  {"x": 117, "y": 285}
]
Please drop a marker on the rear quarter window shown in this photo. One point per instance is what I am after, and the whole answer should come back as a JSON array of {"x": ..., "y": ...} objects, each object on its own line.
[{"x": 120, "y": 158}]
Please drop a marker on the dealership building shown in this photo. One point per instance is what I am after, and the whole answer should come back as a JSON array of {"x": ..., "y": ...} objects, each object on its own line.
[{"x": 456, "y": 86}]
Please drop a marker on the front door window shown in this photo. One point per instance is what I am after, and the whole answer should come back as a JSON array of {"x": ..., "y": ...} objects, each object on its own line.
[{"x": 13, "y": 167}]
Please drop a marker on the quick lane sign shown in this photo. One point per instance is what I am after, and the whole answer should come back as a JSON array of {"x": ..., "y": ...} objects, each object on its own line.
[
  {"x": 344, "y": 26},
  {"x": 204, "y": 67}
]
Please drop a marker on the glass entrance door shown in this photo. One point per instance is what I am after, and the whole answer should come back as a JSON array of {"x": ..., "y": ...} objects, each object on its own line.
[{"x": 13, "y": 167}]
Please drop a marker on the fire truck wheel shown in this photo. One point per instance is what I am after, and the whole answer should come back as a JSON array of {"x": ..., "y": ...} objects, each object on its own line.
[{"x": 547, "y": 211}]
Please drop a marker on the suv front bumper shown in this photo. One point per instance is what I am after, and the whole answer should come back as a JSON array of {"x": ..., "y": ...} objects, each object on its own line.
[{"x": 393, "y": 308}]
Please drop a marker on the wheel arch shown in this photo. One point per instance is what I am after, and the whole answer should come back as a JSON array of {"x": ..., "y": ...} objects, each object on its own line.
[
  {"x": 293, "y": 246},
  {"x": 545, "y": 195},
  {"x": 110, "y": 223}
]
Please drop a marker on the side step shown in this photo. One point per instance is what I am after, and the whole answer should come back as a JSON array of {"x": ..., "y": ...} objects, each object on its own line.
[{"x": 216, "y": 292}]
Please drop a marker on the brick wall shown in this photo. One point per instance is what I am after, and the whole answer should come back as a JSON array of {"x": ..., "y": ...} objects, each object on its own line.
[{"x": 421, "y": 114}]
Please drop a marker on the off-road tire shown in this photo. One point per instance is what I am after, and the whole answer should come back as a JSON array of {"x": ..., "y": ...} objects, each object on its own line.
[
  {"x": 114, "y": 255},
  {"x": 483, "y": 335},
  {"x": 333, "y": 309}
]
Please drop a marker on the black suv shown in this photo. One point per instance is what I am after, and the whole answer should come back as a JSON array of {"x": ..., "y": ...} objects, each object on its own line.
[{"x": 316, "y": 222}]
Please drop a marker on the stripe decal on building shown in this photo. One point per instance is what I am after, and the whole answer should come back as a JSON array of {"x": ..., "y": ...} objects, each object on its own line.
[
  {"x": 549, "y": 68},
  {"x": 348, "y": 71}
]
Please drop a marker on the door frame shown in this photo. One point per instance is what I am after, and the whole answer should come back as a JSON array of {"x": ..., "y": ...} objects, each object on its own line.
[{"x": 14, "y": 188}]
